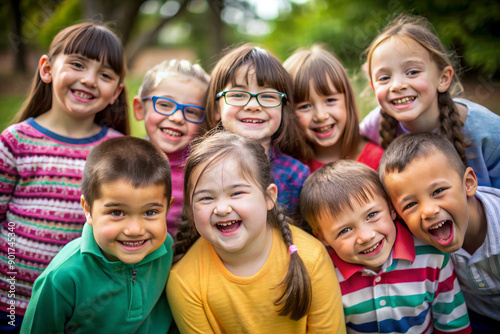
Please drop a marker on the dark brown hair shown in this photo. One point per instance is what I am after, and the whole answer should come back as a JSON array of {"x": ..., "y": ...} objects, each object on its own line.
[
  {"x": 269, "y": 72},
  {"x": 333, "y": 187},
  {"x": 420, "y": 30},
  {"x": 208, "y": 151},
  {"x": 96, "y": 42},
  {"x": 405, "y": 148},
  {"x": 126, "y": 158},
  {"x": 318, "y": 65}
]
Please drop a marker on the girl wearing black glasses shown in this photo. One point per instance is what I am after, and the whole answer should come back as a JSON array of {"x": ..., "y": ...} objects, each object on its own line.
[{"x": 250, "y": 93}]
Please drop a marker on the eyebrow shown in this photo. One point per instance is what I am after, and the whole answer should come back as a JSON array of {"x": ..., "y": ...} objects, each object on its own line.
[
  {"x": 120, "y": 205},
  {"x": 237, "y": 185}
]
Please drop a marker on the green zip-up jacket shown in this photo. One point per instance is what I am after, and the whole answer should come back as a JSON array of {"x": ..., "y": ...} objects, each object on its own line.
[{"x": 82, "y": 292}]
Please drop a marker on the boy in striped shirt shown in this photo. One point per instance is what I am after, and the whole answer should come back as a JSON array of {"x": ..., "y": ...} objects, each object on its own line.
[
  {"x": 390, "y": 281},
  {"x": 439, "y": 199}
]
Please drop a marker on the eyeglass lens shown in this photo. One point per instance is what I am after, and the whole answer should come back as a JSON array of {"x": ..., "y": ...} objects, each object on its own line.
[
  {"x": 167, "y": 107},
  {"x": 265, "y": 99}
]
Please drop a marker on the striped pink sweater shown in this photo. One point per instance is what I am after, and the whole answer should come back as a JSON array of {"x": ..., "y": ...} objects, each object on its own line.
[{"x": 40, "y": 177}]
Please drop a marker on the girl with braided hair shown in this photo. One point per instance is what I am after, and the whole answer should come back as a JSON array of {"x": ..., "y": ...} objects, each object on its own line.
[
  {"x": 251, "y": 270},
  {"x": 414, "y": 82}
]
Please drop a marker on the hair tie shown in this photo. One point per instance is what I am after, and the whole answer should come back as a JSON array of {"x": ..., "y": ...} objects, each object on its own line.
[{"x": 292, "y": 249}]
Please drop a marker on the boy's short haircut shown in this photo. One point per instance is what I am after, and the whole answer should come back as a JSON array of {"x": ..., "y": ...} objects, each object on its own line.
[
  {"x": 332, "y": 188},
  {"x": 405, "y": 148},
  {"x": 128, "y": 158}
]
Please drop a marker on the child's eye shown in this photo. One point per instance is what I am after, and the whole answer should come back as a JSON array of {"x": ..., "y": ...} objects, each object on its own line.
[
  {"x": 383, "y": 78},
  {"x": 371, "y": 215},
  {"x": 106, "y": 76},
  {"x": 331, "y": 100},
  {"x": 413, "y": 72},
  {"x": 117, "y": 213},
  {"x": 237, "y": 193},
  {"x": 150, "y": 213},
  {"x": 438, "y": 191},
  {"x": 77, "y": 65},
  {"x": 304, "y": 107},
  {"x": 344, "y": 231},
  {"x": 409, "y": 206}
]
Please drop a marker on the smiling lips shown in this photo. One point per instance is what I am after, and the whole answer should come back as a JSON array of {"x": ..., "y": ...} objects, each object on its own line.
[
  {"x": 171, "y": 132},
  {"x": 252, "y": 121},
  {"x": 81, "y": 95},
  {"x": 404, "y": 100},
  {"x": 323, "y": 129},
  {"x": 371, "y": 249}
]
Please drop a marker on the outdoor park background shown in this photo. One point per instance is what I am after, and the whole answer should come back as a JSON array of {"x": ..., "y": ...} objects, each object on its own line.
[{"x": 199, "y": 30}]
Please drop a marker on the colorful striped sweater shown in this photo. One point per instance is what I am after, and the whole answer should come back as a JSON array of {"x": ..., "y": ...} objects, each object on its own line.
[
  {"x": 40, "y": 211},
  {"x": 416, "y": 291}
]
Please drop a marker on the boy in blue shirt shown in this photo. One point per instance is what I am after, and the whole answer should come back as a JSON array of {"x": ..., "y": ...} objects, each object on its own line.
[{"x": 112, "y": 278}]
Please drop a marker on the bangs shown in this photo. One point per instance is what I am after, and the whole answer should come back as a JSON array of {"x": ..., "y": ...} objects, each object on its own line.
[
  {"x": 320, "y": 73},
  {"x": 97, "y": 43},
  {"x": 268, "y": 70}
]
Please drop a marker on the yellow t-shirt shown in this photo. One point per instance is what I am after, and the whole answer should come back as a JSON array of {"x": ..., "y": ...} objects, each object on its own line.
[{"x": 206, "y": 298}]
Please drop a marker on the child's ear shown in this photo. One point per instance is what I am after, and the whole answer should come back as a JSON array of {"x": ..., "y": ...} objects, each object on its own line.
[
  {"x": 320, "y": 238},
  {"x": 470, "y": 182},
  {"x": 86, "y": 209},
  {"x": 272, "y": 192},
  {"x": 117, "y": 92},
  {"x": 45, "y": 69},
  {"x": 138, "y": 108},
  {"x": 445, "y": 79},
  {"x": 393, "y": 214},
  {"x": 371, "y": 85}
]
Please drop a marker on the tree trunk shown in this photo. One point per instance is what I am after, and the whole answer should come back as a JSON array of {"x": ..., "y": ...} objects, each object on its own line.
[{"x": 16, "y": 39}]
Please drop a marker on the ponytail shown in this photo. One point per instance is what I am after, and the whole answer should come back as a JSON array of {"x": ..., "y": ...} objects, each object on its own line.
[
  {"x": 451, "y": 124},
  {"x": 186, "y": 236},
  {"x": 297, "y": 294}
]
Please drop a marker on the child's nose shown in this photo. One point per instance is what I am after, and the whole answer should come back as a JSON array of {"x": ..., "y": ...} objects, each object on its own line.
[
  {"x": 177, "y": 117},
  {"x": 222, "y": 209},
  {"x": 429, "y": 209},
  {"x": 365, "y": 235},
  {"x": 320, "y": 115},
  {"x": 398, "y": 83},
  {"x": 134, "y": 227},
  {"x": 89, "y": 79},
  {"x": 252, "y": 103}
]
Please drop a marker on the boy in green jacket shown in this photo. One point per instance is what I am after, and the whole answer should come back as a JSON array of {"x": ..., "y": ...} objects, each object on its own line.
[{"x": 113, "y": 278}]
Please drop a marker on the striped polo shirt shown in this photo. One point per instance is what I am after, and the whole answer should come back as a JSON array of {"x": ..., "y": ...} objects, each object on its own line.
[
  {"x": 416, "y": 291},
  {"x": 479, "y": 274}
]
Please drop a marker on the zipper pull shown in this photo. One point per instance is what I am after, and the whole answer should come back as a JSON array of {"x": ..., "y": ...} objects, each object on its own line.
[{"x": 134, "y": 273}]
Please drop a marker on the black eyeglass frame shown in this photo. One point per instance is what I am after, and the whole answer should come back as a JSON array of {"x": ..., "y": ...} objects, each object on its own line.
[{"x": 224, "y": 92}]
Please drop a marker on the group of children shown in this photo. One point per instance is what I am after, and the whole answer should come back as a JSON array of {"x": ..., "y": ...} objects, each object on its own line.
[{"x": 238, "y": 167}]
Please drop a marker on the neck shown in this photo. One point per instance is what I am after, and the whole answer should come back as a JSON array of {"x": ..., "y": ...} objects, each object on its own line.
[
  {"x": 328, "y": 154},
  {"x": 248, "y": 261},
  {"x": 65, "y": 125},
  {"x": 477, "y": 228},
  {"x": 427, "y": 121}
]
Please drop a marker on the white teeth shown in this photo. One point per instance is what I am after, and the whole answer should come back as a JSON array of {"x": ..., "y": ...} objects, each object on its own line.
[
  {"x": 371, "y": 249},
  {"x": 252, "y": 121},
  {"x": 227, "y": 224},
  {"x": 403, "y": 100},
  {"x": 323, "y": 129},
  {"x": 136, "y": 243},
  {"x": 82, "y": 94},
  {"x": 171, "y": 133},
  {"x": 437, "y": 226}
]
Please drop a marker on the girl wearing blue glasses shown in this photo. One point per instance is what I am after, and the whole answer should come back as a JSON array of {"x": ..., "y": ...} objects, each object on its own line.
[
  {"x": 170, "y": 102},
  {"x": 250, "y": 93}
]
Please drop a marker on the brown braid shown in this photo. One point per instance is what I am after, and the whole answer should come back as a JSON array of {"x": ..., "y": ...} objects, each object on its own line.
[
  {"x": 387, "y": 129},
  {"x": 451, "y": 124},
  {"x": 297, "y": 294}
]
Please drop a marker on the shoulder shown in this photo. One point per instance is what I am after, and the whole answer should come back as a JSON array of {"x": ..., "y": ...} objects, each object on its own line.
[
  {"x": 476, "y": 114},
  {"x": 112, "y": 133},
  {"x": 283, "y": 164},
  {"x": 490, "y": 199},
  {"x": 309, "y": 247},
  {"x": 197, "y": 254}
]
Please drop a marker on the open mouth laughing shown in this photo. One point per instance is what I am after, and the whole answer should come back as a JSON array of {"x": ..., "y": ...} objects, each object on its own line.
[
  {"x": 228, "y": 226},
  {"x": 324, "y": 129},
  {"x": 372, "y": 249},
  {"x": 82, "y": 95},
  {"x": 171, "y": 132},
  {"x": 442, "y": 231}
]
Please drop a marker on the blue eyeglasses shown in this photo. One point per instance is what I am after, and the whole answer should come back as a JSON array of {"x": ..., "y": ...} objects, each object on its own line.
[{"x": 165, "y": 106}]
